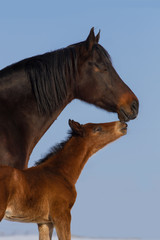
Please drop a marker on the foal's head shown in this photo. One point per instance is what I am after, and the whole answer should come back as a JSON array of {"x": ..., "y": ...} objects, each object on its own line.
[{"x": 98, "y": 135}]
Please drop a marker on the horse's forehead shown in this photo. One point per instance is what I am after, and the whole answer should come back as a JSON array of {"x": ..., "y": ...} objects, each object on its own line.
[{"x": 89, "y": 126}]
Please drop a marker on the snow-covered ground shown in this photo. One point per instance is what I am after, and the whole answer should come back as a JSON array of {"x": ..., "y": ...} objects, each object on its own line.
[{"x": 35, "y": 237}]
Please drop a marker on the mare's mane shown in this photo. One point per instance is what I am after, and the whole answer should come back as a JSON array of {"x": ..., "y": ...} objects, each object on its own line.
[{"x": 48, "y": 74}]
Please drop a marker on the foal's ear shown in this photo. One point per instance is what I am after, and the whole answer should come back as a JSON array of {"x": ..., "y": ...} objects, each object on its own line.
[
  {"x": 91, "y": 39},
  {"x": 76, "y": 127}
]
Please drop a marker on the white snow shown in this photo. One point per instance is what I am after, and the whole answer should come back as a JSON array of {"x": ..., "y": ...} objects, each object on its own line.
[{"x": 35, "y": 237}]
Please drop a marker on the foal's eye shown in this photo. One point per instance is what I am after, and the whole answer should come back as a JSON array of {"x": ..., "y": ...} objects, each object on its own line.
[{"x": 97, "y": 129}]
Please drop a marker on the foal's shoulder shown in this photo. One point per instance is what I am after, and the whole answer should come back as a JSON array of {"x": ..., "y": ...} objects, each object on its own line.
[
  {"x": 17, "y": 174},
  {"x": 5, "y": 171},
  {"x": 9, "y": 175}
]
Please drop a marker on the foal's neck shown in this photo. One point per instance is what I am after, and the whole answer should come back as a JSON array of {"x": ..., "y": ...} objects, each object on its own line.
[{"x": 70, "y": 160}]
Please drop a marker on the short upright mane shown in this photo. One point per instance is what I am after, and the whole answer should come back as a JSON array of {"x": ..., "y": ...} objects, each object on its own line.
[
  {"x": 48, "y": 74},
  {"x": 55, "y": 149}
]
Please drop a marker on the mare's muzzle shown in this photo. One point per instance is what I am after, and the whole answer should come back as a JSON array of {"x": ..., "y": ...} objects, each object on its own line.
[{"x": 127, "y": 113}]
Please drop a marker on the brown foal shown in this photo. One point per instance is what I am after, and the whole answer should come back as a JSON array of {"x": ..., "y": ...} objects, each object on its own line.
[{"x": 45, "y": 194}]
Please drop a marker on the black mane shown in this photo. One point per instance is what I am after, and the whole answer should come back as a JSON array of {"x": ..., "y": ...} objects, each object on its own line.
[{"x": 48, "y": 74}]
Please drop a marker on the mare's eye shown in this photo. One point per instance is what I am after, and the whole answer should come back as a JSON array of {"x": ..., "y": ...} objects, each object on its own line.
[
  {"x": 98, "y": 67},
  {"x": 97, "y": 129},
  {"x": 101, "y": 67}
]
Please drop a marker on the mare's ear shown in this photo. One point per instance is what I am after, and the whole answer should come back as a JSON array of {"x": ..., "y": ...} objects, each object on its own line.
[
  {"x": 98, "y": 37},
  {"x": 91, "y": 39},
  {"x": 76, "y": 127}
]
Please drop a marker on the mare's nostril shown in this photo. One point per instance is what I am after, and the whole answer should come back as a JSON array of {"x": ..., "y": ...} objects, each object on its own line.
[
  {"x": 131, "y": 112},
  {"x": 124, "y": 115},
  {"x": 134, "y": 107}
]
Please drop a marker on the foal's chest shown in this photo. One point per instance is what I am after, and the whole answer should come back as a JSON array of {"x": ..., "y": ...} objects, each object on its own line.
[{"x": 28, "y": 215}]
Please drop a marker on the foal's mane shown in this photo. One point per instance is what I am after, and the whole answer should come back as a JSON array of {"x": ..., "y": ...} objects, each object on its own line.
[
  {"x": 48, "y": 74},
  {"x": 55, "y": 149}
]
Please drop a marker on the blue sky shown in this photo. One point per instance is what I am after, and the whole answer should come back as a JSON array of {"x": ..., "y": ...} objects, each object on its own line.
[{"x": 119, "y": 188}]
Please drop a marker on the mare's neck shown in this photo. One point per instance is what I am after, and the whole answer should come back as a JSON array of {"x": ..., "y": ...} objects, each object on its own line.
[
  {"x": 70, "y": 161},
  {"x": 42, "y": 123}
]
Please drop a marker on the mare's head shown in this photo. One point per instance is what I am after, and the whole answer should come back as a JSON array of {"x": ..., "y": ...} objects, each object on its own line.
[
  {"x": 98, "y": 82},
  {"x": 98, "y": 135}
]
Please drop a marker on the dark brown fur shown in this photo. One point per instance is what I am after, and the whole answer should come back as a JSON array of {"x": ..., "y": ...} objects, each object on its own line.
[
  {"x": 34, "y": 91},
  {"x": 45, "y": 194}
]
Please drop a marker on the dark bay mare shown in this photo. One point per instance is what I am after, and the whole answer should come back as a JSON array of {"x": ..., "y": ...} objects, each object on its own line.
[
  {"x": 34, "y": 91},
  {"x": 45, "y": 194}
]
